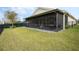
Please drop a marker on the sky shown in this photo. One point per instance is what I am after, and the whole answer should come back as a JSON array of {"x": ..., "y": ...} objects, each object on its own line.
[{"x": 24, "y": 12}]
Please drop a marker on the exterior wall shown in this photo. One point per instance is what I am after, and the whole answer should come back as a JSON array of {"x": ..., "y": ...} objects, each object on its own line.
[
  {"x": 60, "y": 20},
  {"x": 71, "y": 21},
  {"x": 66, "y": 20}
]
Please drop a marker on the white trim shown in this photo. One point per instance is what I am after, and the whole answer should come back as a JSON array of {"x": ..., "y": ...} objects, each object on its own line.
[
  {"x": 63, "y": 21},
  {"x": 56, "y": 21}
]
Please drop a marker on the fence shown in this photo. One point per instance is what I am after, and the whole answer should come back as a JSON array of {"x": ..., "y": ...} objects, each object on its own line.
[{"x": 9, "y": 25}]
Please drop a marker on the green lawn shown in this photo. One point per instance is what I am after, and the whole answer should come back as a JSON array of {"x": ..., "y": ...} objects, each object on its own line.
[{"x": 22, "y": 38}]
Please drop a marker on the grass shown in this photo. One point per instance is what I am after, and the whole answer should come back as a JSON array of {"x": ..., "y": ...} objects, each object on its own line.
[{"x": 22, "y": 39}]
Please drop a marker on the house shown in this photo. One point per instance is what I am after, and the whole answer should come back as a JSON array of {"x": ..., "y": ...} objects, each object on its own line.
[{"x": 47, "y": 18}]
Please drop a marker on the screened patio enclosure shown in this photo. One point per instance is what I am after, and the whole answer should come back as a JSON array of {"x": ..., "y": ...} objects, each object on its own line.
[{"x": 47, "y": 21}]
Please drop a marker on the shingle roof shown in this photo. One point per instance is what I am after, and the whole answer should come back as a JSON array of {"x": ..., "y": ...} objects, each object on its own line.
[
  {"x": 54, "y": 10},
  {"x": 45, "y": 9}
]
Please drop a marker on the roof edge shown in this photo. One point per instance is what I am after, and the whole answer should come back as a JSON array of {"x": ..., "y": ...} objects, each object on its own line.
[{"x": 54, "y": 10}]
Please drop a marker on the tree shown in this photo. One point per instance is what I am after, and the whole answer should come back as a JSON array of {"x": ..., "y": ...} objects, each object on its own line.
[{"x": 11, "y": 15}]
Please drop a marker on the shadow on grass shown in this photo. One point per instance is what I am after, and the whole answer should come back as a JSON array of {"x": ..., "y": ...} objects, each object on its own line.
[{"x": 1, "y": 30}]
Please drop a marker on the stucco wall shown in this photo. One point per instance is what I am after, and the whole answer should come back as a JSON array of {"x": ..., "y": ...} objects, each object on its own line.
[
  {"x": 71, "y": 21},
  {"x": 60, "y": 20}
]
